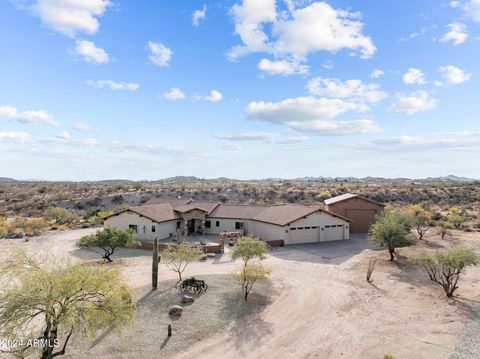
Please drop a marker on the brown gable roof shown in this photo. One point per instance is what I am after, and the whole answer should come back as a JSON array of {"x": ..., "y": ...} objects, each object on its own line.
[
  {"x": 156, "y": 212},
  {"x": 347, "y": 196},
  {"x": 284, "y": 214},
  {"x": 240, "y": 211}
]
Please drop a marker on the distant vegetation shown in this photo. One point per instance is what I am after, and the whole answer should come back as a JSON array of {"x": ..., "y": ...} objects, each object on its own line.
[{"x": 83, "y": 204}]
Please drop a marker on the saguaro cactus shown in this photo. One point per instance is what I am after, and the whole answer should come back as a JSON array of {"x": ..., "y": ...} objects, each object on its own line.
[{"x": 155, "y": 260}]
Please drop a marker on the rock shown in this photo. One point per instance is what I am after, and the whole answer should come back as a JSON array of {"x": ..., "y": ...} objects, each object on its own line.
[
  {"x": 187, "y": 299},
  {"x": 176, "y": 310},
  {"x": 211, "y": 255}
]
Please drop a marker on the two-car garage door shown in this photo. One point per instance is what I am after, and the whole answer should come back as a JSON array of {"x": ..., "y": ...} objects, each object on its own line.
[
  {"x": 303, "y": 234},
  {"x": 312, "y": 234}
]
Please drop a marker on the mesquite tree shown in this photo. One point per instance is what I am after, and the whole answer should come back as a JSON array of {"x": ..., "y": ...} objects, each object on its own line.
[
  {"x": 108, "y": 240},
  {"x": 178, "y": 257},
  {"x": 51, "y": 302},
  {"x": 391, "y": 230},
  {"x": 445, "y": 266},
  {"x": 421, "y": 219}
]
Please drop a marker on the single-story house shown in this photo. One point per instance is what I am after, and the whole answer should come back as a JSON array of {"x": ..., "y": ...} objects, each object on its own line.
[
  {"x": 289, "y": 223},
  {"x": 360, "y": 210}
]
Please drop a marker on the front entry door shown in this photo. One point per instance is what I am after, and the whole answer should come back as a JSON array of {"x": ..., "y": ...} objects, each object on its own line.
[{"x": 191, "y": 226}]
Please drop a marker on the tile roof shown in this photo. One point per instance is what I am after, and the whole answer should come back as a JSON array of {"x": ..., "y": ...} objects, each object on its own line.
[
  {"x": 284, "y": 214},
  {"x": 168, "y": 209}
]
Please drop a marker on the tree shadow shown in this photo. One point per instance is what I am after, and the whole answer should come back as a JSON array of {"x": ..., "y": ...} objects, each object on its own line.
[{"x": 165, "y": 342}]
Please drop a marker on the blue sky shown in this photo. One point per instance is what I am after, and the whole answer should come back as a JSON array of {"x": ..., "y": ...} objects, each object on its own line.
[{"x": 99, "y": 89}]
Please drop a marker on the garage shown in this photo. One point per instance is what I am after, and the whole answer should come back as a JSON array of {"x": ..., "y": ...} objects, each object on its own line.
[
  {"x": 360, "y": 210},
  {"x": 303, "y": 234},
  {"x": 333, "y": 232},
  {"x": 361, "y": 219}
]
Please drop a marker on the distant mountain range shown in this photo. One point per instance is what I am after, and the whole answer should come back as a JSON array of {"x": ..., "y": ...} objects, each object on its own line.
[{"x": 449, "y": 178}]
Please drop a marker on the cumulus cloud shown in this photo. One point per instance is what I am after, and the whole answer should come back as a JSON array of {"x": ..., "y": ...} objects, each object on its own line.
[
  {"x": 472, "y": 9},
  {"x": 413, "y": 103},
  {"x": 457, "y": 34},
  {"x": 72, "y": 16},
  {"x": 414, "y": 77},
  {"x": 174, "y": 94},
  {"x": 116, "y": 86},
  {"x": 199, "y": 15},
  {"x": 310, "y": 114},
  {"x": 160, "y": 55},
  {"x": 314, "y": 27},
  {"x": 12, "y": 114},
  {"x": 282, "y": 67},
  {"x": 454, "y": 75},
  {"x": 214, "y": 96},
  {"x": 82, "y": 127},
  {"x": 267, "y": 137},
  {"x": 21, "y": 137},
  {"x": 353, "y": 89},
  {"x": 377, "y": 74},
  {"x": 90, "y": 53}
]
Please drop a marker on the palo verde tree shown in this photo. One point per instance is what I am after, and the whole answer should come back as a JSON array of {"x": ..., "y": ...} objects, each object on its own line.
[
  {"x": 108, "y": 240},
  {"x": 391, "y": 230},
  {"x": 251, "y": 251},
  {"x": 178, "y": 257},
  {"x": 444, "y": 228},
  {"x": 445, "y": 266},
  {"x": 455, "y": 217},
  {"x": 44, "y": 304},
  {"x": 420, "y": 218},
  {"x": 59, "y": 215}
]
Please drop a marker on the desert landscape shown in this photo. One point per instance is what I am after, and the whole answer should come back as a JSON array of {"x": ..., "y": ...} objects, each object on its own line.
[{"x": 316, "y": 303}]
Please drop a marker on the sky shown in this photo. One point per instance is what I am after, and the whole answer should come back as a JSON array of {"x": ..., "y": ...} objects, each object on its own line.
[{"x": 123, "y": 89}]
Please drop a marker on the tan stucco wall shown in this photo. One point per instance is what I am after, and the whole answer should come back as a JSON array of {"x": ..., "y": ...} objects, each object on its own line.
[
  {"x": 320, "y": 219},
  {"x": 123, "y": 220}
]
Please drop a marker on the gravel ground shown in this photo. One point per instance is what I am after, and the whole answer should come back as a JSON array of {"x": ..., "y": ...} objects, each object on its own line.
[
  {"x": 222, "y": 305},
  {"x": 468, "y": 346}
]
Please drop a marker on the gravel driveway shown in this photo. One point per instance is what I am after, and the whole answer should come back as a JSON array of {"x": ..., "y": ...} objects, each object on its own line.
[{"x": 468, "y": 346}]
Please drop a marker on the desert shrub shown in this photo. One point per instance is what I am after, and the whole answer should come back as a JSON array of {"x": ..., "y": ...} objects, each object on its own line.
[
  {"x": 371, "y": 267},
  {"x": 3, "y": 226},
  {"x": 445, "y": 266},
  {"x": 420, "y": 218},
  {"x": 444, "y": 228},
  {"x": 60, "y": 215}
]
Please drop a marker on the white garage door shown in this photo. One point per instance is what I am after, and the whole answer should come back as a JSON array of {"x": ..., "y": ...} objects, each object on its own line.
[
  {"x": 333, "y": 232},
  {"x": 303, "y": 234}
]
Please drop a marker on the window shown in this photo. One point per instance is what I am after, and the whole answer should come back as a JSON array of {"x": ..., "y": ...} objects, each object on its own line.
[
  {"x": 307, "y": 227},
  {"x": 133, "y": 227},
  {"x": 293, "y": 229},
  {"x": 314, "y": 227},
  {"x": 153, "y": 229},
  {"x": 299, "y": 228},
  {"x": 238, "y": 225},
  {"x": 217, "y": 224},
  {"x": 327, "y": 226},
  {"x": 208, "y": 224}
]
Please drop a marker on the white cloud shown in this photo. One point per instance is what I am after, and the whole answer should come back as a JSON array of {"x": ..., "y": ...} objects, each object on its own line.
[
  {"x": 315, "y": 27},
  {"x": 353, "y": 89},
  {"x": 457, "y": 33},
  {"x": 174, "y": 94},
  {"x": 454, "y": 75},
  {"x": 232, "y": 147},
  {"x": 71, "y": 16},
  {"x": 472, "y": 9},
  {"x": 310, "y": 114},
  {"x": 160, "y": 55},
  {"x": 88, "y": 141},
  {"x": 215, "y": 96},
  {"x": 21, "y": 137},
  {"x": 413, "y": 103},
  {"x": 11, "y": 113},
  {"x": 377, "y": 74},
  {"x": 268, "y": 137},
  {"x": 82, "y": 127},
  {"x": 199, "y": 15},
  {"x": 414, "y": 76},
  {"x": 454, "y": 4},
  {"x": 91, "y": 53},
  {"x": 64, "y": 135},
  {"x": 116, "y": 86},
  {"x": 282, "y": 67}
]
